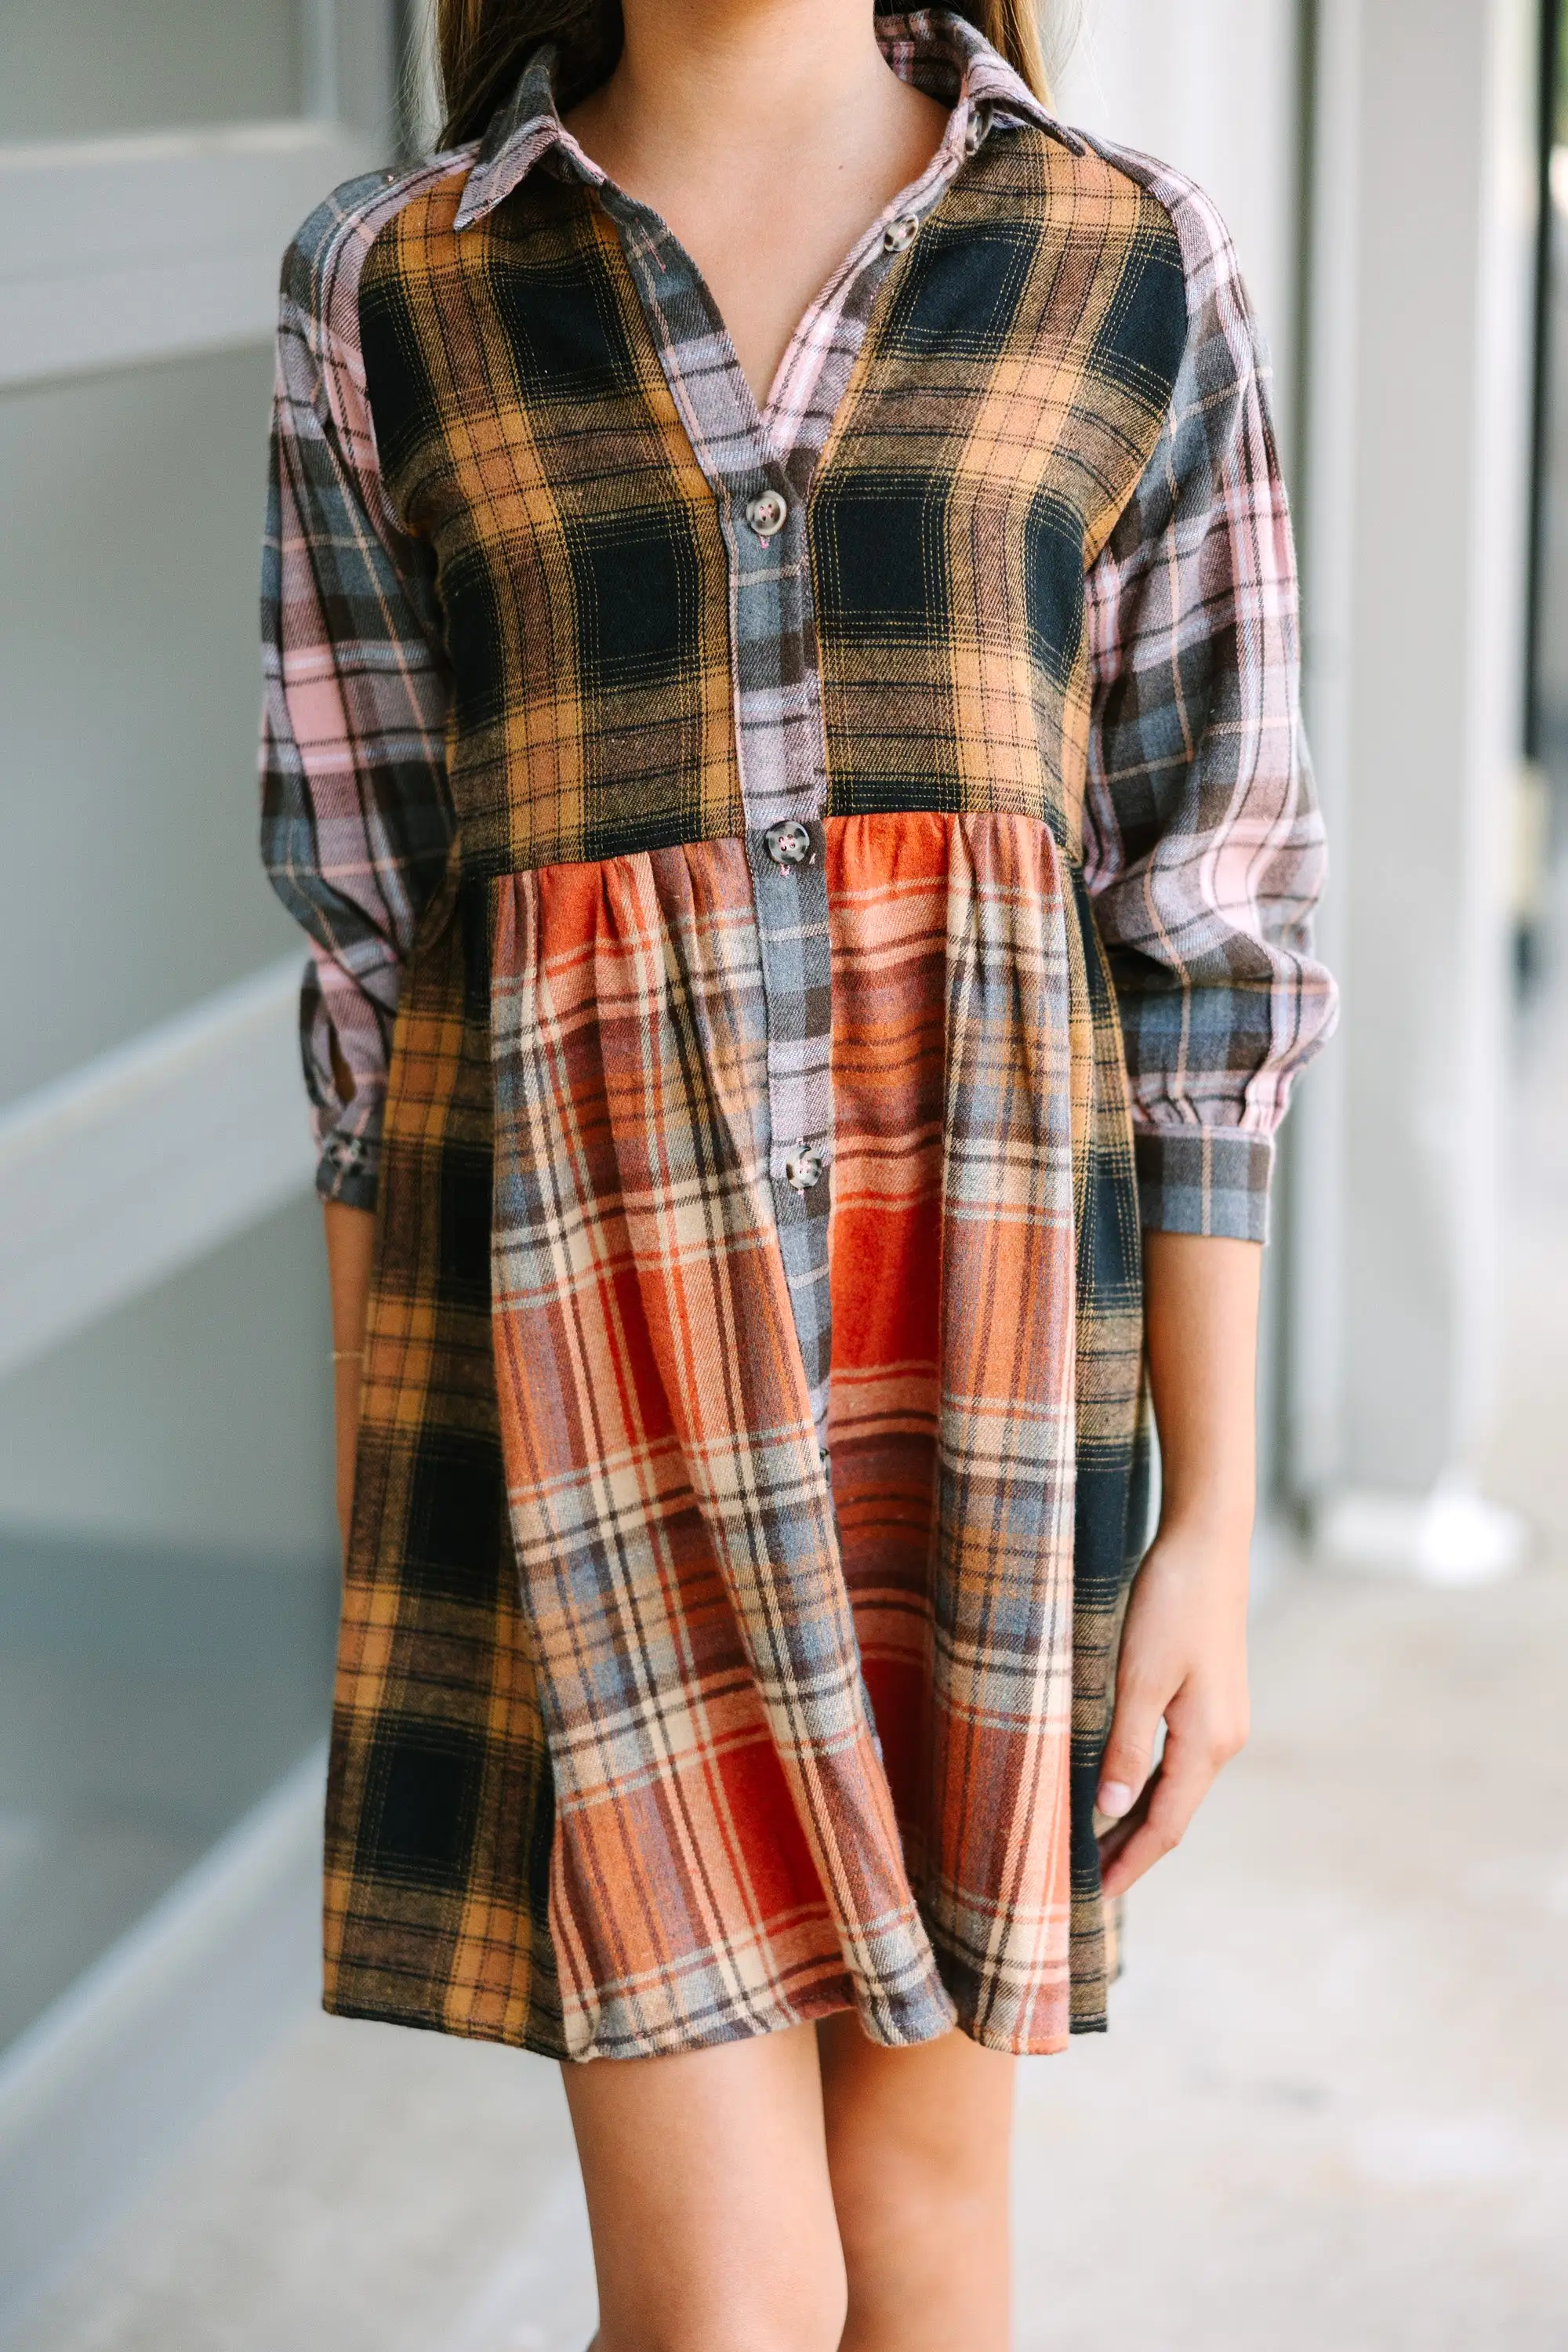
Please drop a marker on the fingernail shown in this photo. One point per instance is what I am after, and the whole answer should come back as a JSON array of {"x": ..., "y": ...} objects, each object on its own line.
[{"x": 1116, "y": 1799}]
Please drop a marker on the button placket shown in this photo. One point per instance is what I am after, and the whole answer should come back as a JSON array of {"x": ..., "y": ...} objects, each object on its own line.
[
  {"x": 762, "y": 492},
  {"x": 791, "y": 897}
]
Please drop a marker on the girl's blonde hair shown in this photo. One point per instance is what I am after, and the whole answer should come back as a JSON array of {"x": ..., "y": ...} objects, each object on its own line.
[{"x": 480, "y": 45}]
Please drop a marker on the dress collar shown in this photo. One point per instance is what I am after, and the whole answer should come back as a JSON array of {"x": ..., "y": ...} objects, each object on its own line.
[{"x": 939, "y": 53}]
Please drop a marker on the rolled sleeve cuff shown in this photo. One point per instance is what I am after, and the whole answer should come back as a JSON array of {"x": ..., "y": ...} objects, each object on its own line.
[
  {"x": 1211, "y": 1180},
  {"x": 348, "y": 1134},
  {"x": 349, "y": 1169}
]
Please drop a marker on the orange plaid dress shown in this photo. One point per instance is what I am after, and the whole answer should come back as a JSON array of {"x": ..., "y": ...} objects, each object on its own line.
[{"x": 795, "y": 890}]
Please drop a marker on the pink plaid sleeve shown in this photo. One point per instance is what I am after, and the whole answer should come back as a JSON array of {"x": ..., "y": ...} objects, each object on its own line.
[
  {"x": 356, "y": 821},
  {"x": 1204, "y": 843}
]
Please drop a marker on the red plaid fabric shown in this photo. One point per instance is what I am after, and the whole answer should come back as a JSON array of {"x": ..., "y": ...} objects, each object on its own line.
[{"x": 730, "y": 1785}]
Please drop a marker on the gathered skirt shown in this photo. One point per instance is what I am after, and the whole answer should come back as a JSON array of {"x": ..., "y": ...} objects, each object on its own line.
[{"x": 658, "y": 1721}]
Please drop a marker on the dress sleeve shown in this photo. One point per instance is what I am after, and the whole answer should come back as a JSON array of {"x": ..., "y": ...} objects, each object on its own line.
[
  {"x": 357, "y": 820},
  {"x": 1204, "y": 844}
]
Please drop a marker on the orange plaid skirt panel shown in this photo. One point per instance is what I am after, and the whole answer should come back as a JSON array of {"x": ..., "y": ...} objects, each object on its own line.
[
  {"x": 725, "y": 1852},
  {"x": 809, "y": 1731}
]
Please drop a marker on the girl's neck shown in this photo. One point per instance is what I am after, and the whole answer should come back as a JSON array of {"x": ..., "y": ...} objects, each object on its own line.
[
  {"x": 768, "y": 135},
  {"x": 727, "y": 84}
]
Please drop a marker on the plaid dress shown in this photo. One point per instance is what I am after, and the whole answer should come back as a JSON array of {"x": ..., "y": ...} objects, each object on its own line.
[{"x": 794, "y": 890}]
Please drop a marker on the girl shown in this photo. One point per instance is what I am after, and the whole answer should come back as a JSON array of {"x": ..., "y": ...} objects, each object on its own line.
[{"x": 783, "y": 731}]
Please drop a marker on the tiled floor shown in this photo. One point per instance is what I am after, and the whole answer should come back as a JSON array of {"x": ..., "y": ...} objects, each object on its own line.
[{"x": 1333, "y": 2111}]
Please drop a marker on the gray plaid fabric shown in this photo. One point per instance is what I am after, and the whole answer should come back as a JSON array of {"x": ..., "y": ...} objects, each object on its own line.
[{"x": 1194, "y": 641}]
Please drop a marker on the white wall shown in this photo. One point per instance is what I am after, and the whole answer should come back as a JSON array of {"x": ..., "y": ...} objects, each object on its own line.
[
  {"x": 130, "y": 514},
  {"x": 131, "y": 517},
  {"x": 71, "y": 68},
  {"x": 197, "y": 1416},
  {"x": 1409, "y": 466},
  {"x": 1213, "y": 87},
  {"x": 1418, "y": 468}
]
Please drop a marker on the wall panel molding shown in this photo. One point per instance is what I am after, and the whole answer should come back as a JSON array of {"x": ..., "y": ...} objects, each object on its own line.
[
  {"x": 141, "y": 1160},
  {"x": 120, "y": 251},
  {"x": 107, "y": 2082}
]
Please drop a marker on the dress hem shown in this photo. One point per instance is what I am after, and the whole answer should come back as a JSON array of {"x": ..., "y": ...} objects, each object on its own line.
[{"x": 542, "y": 2045}]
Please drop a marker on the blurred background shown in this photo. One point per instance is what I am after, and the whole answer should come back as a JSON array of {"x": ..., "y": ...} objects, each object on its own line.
[{"x": 1333, "y": 2105}]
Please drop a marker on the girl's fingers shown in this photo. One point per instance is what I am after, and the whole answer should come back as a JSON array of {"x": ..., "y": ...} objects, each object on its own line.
[
  {"x": 1131, "y": 1748},
  {"x": 1189, "y": 1769}
]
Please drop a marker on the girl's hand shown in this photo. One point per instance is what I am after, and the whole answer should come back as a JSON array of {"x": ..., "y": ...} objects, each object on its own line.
[
  {"x": 1184, "y": 1658},
  {"x": 1183, "y": 1648}
]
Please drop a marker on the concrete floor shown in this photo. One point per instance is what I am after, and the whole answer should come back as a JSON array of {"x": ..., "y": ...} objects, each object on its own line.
[{"x": 1332, "y": 2110}]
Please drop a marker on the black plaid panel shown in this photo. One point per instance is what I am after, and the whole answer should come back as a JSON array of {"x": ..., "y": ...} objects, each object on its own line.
[
  {"x": 455, "y": 1537},
  {"x": 422, "y": 1796},
  {"x": 1141, "y": 337},
  {"x": 563, "y": 322},
  {"x": 878, "y": 544},
  {"x": 1113, "y": 1491},
  {"x": 464, "y": 1241},
  {"x": 881, "y": 575},
  {"x": 960, "y": 293},
  {"x": 474, "y": 598},
  {"x": 396, "y": 373},
  {"x": 582, "y": 567},
  {"x": 474, "y": 905},
  {"x": 438, "y": 1789},
  {"x": 645, "y": 653},
  {"x": 1111, "y": 1301},
  {"x": 1023, "y": 362},
  {"x": 1053, "y": 586},
  {"x": 637, "y": 583}
]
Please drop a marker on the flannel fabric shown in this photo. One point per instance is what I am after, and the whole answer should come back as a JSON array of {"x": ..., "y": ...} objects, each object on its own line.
[
  {"x": 1202, "y": 844},
  {"x": 750, "y": 1474}
]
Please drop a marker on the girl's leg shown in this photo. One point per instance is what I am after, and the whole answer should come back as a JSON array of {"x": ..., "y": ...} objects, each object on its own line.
[
  {"x": 919, "y": 2144},
  {"x": 709, "y": 2199}
]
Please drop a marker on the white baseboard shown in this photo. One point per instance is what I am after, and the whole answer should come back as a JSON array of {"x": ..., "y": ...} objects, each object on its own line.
[{"x": 103, "y": 2085}]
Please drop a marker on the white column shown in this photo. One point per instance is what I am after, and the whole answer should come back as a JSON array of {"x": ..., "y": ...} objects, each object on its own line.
[
  {"x": 349, "y": 53},
  {"x": 1416, "y": 442}
]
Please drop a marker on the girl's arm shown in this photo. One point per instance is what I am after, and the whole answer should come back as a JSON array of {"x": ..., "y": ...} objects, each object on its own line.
[
  {"x": 1204, "y": 857},
  {"x": 356, "y": 817},
  {"x": 1184, "y": 1650},
  {"x": 348, "y": 1237}
]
